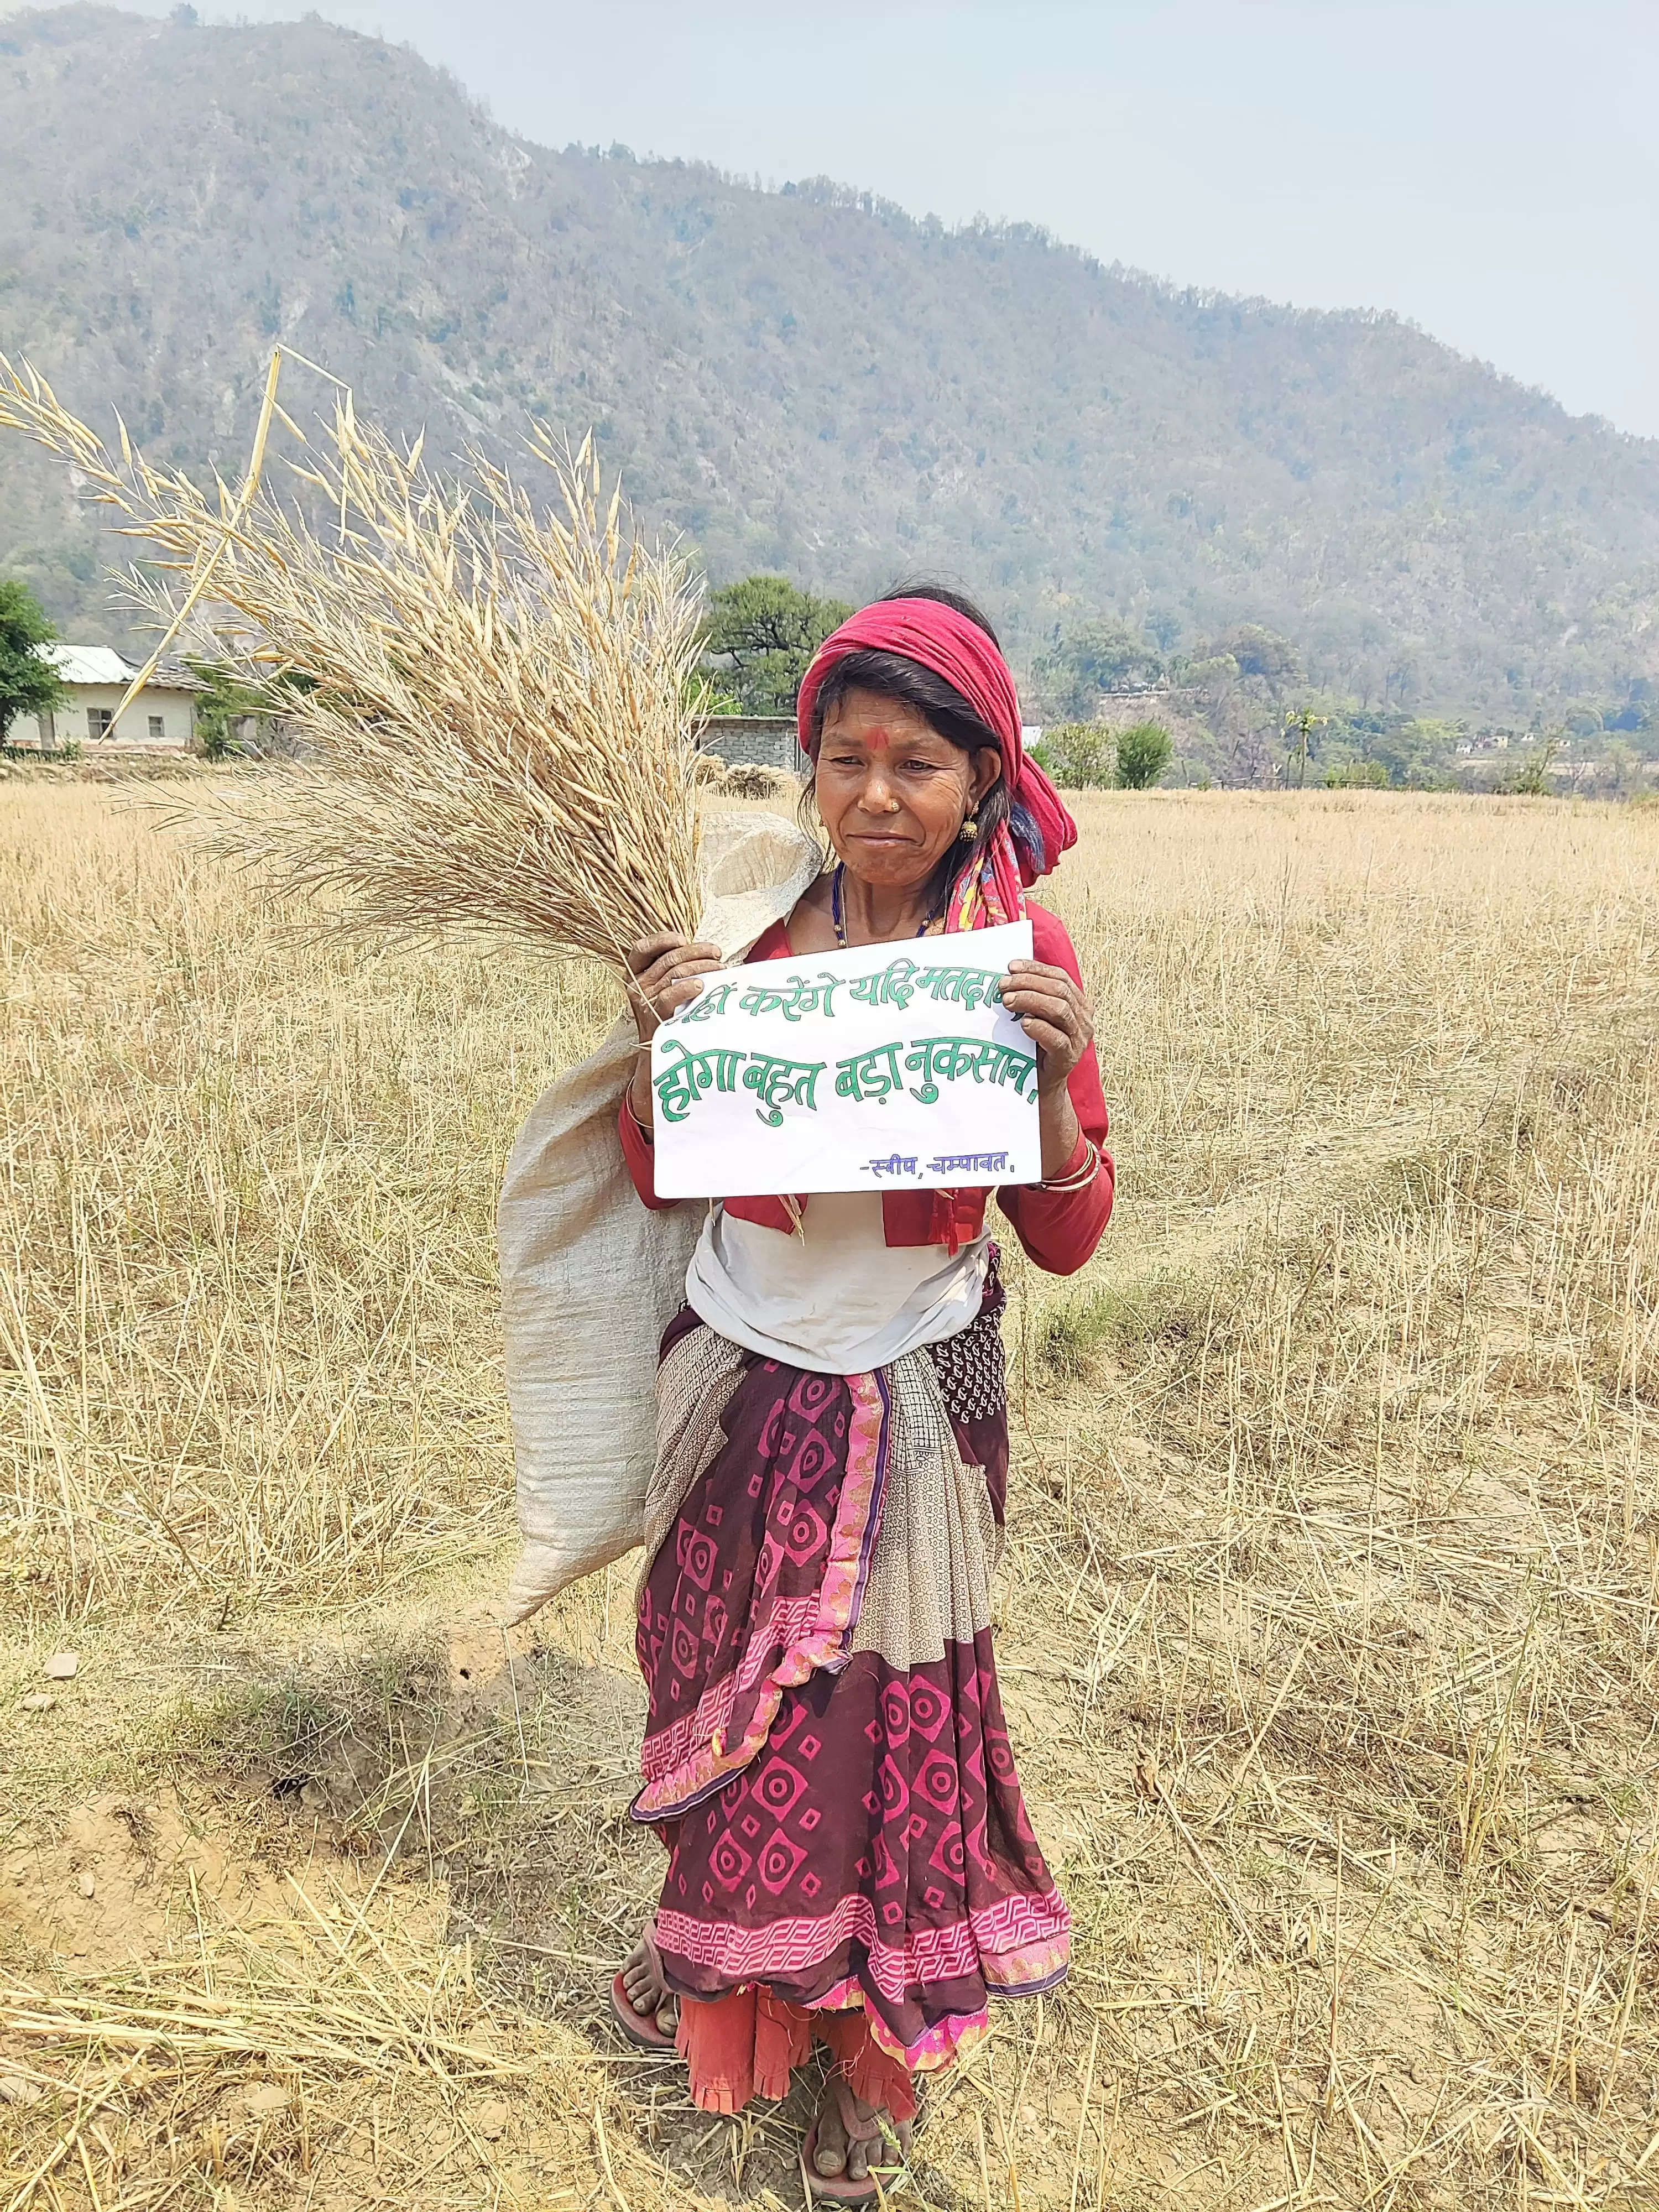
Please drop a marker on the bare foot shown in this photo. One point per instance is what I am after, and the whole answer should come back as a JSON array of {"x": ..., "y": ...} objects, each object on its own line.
[
  {"x": 838, "y": 2151},
  {"x": 646, "y": 1990}
]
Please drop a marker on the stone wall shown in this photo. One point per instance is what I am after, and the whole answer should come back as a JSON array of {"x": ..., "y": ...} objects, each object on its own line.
[{"x": 755, "y": 741}]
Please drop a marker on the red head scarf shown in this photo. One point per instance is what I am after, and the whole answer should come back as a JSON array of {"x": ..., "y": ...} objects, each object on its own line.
[{"x": 959, "y": 650}]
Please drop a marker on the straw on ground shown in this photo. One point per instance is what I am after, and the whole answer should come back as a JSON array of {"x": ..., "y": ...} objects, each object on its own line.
[{"x": 1330, "y": 1624}]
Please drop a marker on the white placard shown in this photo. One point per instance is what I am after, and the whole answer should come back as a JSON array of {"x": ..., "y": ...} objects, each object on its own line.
[{"x": 886, "y": 1066}]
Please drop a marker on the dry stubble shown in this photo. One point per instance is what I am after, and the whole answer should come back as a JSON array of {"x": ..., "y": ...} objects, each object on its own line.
[{"x": 1331, "y": 1633}]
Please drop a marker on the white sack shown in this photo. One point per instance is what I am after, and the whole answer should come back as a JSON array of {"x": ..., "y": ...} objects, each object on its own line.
[{"x": 589, "y": 1277}]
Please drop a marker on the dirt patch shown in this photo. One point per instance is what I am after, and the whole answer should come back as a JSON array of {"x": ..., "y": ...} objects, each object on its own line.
[{"x": 1329, "y": 1628}]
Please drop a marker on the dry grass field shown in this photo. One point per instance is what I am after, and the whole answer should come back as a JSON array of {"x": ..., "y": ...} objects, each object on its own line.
[{"x": 1330, "y": 1628}]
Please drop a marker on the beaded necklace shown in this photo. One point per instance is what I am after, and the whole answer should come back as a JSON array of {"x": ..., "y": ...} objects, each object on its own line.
[{"x": 838, "y": 909}]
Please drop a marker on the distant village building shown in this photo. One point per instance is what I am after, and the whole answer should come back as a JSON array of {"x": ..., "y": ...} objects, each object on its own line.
[{"x": 160, "y": 719}]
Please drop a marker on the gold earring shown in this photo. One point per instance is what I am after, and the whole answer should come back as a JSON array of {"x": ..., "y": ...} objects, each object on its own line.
[{"x": 970, "y": 828}]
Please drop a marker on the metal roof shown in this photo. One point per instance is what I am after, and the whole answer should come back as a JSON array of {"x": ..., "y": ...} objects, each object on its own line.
[
  {"x": 99, "y": 664},
  {"x": 87, "y": 663}
]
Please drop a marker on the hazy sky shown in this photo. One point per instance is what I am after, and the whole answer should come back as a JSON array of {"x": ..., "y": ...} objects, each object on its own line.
[{"x": 1490, "y": 171}]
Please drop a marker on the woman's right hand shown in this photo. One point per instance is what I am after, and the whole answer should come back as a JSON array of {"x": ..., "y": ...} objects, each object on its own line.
[{"x": 667, "y": 971}]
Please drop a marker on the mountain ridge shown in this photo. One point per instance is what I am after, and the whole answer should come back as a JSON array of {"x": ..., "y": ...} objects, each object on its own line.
[{"x": 810, "y": 379}]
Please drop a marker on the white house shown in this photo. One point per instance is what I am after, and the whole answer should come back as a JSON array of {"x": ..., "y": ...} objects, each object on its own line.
[{"x": 160, "y": 719}]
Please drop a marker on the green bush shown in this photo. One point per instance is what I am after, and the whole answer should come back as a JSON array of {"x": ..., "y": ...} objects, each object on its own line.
[
  {"x": 1078, "y": 755},
  {"x": 704, "y": 696},
  {"x": 1358, "y": 775},
  {"x": 1143, "y": 754},
  {"x": 1530, "y": 779},
  {"x": 224, "y": 701}
]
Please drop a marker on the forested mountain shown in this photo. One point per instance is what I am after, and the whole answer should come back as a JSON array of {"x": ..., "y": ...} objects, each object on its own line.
[{"x": 810, "y": 381}]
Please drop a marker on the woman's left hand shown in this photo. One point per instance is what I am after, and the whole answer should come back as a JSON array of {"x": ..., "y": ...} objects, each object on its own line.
[{"x": 1055, "y": 1012}]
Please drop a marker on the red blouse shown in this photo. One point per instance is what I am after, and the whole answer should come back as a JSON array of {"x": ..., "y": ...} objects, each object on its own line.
[{"x": 1058, "y": 1228}]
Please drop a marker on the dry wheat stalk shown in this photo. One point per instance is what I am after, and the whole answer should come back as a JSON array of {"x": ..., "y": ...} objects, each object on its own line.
[{"x": 493, "y": 698}]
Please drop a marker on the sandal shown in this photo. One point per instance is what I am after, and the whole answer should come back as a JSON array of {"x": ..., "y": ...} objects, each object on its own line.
[
  {"x": 842, "y": 2188},
  {"x": 641, "y": 2028}
]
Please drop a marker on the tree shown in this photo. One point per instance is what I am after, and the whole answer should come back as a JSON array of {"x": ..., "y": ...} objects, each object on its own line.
[
  {"x": 1094, "y": 660},
  {"x": 1621, "y": 770},
  {"x": 759, "y": 637},
  {"x": 1144, "y": 751},
  {"x": 29, "y": 683},
  {"x": 228, "y": 700},
  {"x": 1263, "y": 654},
  {"x": 1298, "y": 728},
  {"x": 224, "y": 701},
  {"x": 1079, "y": 755},
  {"x": 1531, "y": 780}
]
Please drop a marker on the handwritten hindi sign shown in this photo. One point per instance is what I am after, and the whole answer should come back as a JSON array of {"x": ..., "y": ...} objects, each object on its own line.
[{"x": 891, "y": 1065}]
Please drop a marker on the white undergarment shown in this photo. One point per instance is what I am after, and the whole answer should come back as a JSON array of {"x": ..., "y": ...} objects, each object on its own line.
[{"x": 835, "y": 1296}]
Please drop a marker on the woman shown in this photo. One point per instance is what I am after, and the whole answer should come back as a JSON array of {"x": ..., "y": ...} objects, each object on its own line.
[{"x": 825, "y": 1757}]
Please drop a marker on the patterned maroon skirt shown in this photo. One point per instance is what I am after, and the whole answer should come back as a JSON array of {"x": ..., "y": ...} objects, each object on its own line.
[{"x": 825, "y": 1757}]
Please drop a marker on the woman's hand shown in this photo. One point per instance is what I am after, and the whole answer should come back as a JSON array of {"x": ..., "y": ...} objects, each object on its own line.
[
  {"x": 1055, "y": 1012},
  {"x": 667, "y": 971}
]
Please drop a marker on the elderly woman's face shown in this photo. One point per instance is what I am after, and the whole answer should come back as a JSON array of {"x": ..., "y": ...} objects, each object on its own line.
[{"x": 891, "y": 793}]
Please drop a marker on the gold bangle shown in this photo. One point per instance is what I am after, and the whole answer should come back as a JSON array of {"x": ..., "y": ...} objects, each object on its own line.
[{"x": 1078, "y": 1177}]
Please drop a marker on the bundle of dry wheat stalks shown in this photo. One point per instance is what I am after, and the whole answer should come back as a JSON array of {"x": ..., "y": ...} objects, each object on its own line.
[{"x": 497, "y": 704}]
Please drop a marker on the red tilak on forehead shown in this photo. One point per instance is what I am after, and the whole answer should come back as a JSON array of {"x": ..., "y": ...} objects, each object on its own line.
[{"x": 940, "y": 638}]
